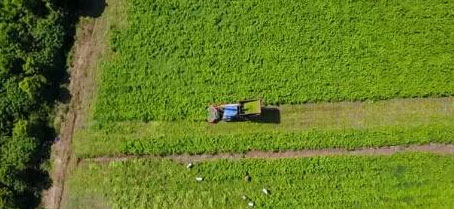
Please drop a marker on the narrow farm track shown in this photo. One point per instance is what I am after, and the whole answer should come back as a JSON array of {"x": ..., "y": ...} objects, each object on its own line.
[
  {"x": 429, "y": 148},
  {"x": 81, "y": 88}
]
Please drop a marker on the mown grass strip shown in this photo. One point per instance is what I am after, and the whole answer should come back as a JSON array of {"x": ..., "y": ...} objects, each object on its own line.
[{"x": 311, "y": 126}]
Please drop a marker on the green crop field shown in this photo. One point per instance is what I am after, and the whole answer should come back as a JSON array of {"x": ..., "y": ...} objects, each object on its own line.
[
  {"x": 171, "y": 59},
  {"x": 174, "y": 57},
  {"x": 400, "y": 181},
  {"x": 331, "y": 73}
]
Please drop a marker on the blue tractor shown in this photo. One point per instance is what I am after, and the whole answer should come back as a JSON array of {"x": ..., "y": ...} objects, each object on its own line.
[{"x": 242, "y": 110}]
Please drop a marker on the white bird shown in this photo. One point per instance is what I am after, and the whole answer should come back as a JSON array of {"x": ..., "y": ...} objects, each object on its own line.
[
  {"x": 199, "y": 178},
  {"x": 189, "y": 165},
  {"x": 247, "y": 178},
  {"x": 244, "y": 197},
  {"x": 251, "y": 204},
  {"x": 265, "y": 191}
]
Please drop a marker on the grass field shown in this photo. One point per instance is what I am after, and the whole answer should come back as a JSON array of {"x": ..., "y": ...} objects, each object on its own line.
[
  {"x": 177, "y": 56},
  {"x": 311, "y": 62},
  {"x": 341, "y": 125},
  {"x": 172, "y": 58},
  {"x": 400, "y": 181}
]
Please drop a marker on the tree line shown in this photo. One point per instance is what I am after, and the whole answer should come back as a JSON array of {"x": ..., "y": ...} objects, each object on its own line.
[{"x": 33, "y": 38}]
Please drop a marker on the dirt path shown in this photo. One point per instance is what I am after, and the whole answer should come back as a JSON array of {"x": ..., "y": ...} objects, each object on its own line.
[
  {"x": 430, "y": 148},
  {"x": 90, "y": 44},
  {"x": 81, "y": 87}
]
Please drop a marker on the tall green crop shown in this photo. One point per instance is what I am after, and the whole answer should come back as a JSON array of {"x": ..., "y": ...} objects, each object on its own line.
[{"x": 175, "y": 57}]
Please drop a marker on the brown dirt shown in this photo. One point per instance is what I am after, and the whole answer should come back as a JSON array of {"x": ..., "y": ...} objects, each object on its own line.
[
  {"x": 81, "y": 88},
  {"x": 429, "y": 148}
]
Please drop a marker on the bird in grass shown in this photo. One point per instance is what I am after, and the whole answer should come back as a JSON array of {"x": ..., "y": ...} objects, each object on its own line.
[
  {"x": 247, "y": 177},
  {"x": 190, "y": 165},
  {"x": 266, "y": 191},
  {"x": 244, "y": 197}
]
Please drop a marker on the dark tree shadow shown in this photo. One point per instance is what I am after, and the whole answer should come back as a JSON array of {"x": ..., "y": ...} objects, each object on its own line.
[
  {"x": 64, "y": 96},
  {"x": 37, "y": 181},
  {"x": 269, "y": 115},
  {"x": 91, "y": 8}
]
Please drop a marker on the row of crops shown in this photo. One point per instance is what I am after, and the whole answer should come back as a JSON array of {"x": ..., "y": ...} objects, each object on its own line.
[
  {"x": 88, "y": 142},
  {"x": 400, "y": 181},
  {"x": 341, "y": 125},
  {"x": 177, "y": 56}
]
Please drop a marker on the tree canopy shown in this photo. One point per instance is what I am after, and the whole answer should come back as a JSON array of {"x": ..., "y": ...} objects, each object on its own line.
[{"x": 32, "y": 38}]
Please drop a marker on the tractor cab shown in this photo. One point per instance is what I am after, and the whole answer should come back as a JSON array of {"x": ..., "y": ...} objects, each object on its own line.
[{"x": 242, "y": 110}]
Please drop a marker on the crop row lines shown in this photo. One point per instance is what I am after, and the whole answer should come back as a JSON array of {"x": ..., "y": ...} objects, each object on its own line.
[{"x": 433, "y": 148}]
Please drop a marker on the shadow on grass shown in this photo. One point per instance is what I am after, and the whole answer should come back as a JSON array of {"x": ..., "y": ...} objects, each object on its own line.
[{"x": 269, "y": 115}]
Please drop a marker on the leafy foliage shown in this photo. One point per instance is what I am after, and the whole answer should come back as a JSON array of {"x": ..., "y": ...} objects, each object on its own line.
[
  {"x": 178, "y": 56},
  {"x": 400, "y": 181},
  {"x": 32, "y": 36}
]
